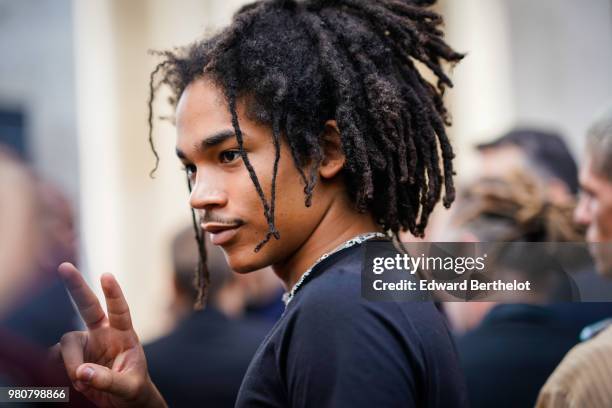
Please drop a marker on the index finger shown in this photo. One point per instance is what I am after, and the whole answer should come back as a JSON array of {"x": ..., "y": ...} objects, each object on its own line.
[{"x": 87, "y": 303}]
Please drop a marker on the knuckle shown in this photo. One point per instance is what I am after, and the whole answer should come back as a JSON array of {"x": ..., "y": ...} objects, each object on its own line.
[
  {"x": 137, "y": 385},
  {"x": 106, "y": 378},
  {"x": 70, "y": 339},
  {"x": 66, "y": 338}
]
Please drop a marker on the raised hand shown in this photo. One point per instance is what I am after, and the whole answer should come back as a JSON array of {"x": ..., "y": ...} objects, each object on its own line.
[{"x": 106, "y": 362}]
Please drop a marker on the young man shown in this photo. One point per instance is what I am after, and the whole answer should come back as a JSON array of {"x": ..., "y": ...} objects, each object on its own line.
[
  {"x": 584, "y": 377},
  {"x": 305, "y": 129}
]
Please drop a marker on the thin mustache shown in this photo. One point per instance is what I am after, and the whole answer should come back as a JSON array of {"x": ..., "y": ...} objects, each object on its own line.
[{"x": 212, "y": 218}]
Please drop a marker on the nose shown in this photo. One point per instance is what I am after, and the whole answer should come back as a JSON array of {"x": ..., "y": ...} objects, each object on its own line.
[
  {"x": 205, "y": 196},
  {"x": 582, "y": 213}
]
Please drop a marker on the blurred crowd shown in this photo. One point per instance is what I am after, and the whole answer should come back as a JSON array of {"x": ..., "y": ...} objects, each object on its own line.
[{"x": 514, "y": 354}]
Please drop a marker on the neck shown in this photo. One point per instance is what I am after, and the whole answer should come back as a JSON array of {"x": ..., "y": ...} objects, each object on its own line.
[{"x": 341, "y": 223}]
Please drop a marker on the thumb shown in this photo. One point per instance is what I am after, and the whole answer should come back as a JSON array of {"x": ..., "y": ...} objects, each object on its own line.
[{"x": 104, "y": 379}]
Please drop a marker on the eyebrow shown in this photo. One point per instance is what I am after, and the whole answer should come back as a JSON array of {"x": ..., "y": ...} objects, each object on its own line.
[
  {"x": 587, "y": 189},
  {"x": 216, "y": 139},
  {"x": 209, "y": 142}
]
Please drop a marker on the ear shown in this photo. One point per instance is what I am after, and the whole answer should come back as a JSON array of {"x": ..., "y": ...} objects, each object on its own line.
[{"x": 333, "y": 156}]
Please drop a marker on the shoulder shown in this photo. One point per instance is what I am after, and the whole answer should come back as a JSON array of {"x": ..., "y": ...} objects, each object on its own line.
[
  {"x": 595, "y": 352},
  {"x": 333, "y": 294},
  {"x": 330, "y": 333},
  {"x": 332, "y": 302},
  {"x": 584, "y": 374},
  {"x": 336, "y": 281}
]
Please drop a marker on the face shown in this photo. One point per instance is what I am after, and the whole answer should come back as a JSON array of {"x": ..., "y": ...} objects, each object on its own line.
[
  {"x": 594, "y": 211},
  {"x": 501, "y": 160},
  {"x": 223, "y": 192}
]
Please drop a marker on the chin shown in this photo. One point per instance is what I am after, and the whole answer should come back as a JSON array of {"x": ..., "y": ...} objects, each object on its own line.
[
  {"x": 244, "y": 268},
  {"x": 244, "y": 260},
  {"x": 602, "y": 255},
  {"x": 604, "y": 268}
]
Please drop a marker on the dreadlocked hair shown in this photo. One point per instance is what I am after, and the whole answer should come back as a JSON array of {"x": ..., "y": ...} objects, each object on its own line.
[{"x": 298, "y": 64}]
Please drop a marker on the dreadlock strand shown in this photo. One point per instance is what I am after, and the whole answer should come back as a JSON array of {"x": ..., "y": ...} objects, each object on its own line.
[
  {"x": 152, "y": 89},
  {"x": 276, "y": 139},
  {"x": 244, "y": 156}
]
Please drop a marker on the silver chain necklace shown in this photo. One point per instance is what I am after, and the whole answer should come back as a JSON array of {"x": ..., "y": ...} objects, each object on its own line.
[{"x": 288, "y": 296}]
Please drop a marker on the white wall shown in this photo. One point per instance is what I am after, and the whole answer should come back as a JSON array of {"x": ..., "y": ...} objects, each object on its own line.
[
  {"x": 545, "y": 63},
  {"x": 481, "y": 102},
  {"x": 561, "y": 55}
]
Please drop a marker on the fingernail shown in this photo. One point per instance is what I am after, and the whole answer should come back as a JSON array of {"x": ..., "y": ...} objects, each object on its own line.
[
  {"x": 79, "y": 385},
  {"x": 89, "y": 373}
]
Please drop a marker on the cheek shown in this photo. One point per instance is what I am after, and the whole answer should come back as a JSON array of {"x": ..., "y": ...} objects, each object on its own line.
[
  {"x": 603, "y": 218},
  {"x": 244, "y": 201},
  {"x": 292, "y": 217}
]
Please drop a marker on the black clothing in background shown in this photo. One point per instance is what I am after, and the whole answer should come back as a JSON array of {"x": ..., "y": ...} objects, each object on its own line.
[
  {"x": 45, "y": 316},
  {"x": 509, "y": 356},
  {"x": 576, "y": 316},
  {"x": 202, "y": 362},
  {"x": 333, "y": 348}
]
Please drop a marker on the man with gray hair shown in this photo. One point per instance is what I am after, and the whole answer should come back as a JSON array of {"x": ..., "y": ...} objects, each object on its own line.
[
  {"x": 595, "y": 206},
  {"x": 584, "y": 377}
]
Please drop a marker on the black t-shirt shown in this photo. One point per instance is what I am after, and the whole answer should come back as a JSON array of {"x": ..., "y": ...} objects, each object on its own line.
[{"x": 333, "y": 348}]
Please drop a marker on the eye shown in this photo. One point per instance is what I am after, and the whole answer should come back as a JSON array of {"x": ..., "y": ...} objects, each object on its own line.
[
  {"x": 229, "y": 156},
  {"x": 586, "y": 194},
  {"x": 190, "y": 169}
]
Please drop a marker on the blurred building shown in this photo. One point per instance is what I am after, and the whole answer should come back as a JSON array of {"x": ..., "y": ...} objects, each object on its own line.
[{"x": 542, "y": 63}]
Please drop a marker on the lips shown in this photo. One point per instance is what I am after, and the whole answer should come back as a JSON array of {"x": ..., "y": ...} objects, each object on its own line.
[{"x": 220, "y": 234}]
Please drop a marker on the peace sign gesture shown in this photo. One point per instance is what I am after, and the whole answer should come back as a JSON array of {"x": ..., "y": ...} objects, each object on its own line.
[{"x": 106, "y": 362}]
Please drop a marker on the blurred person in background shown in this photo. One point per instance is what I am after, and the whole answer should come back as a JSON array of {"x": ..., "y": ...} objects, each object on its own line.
[
  {"x": 17, "y": 271},
  {"x": 509, "y": 350},
  {"x": 545, "y": 155},
  {"x": 210, "y": 350},
  {"x": 17, "y": 218},
  {"x": 584, "y": 377},
  {"x": 53, "y": 239},
  {"x": 37, "y": 231},
  {"x": 542, "y": 152},
  {"x": 265, "y": 300},
  {"x": 305, "y": 129}
]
